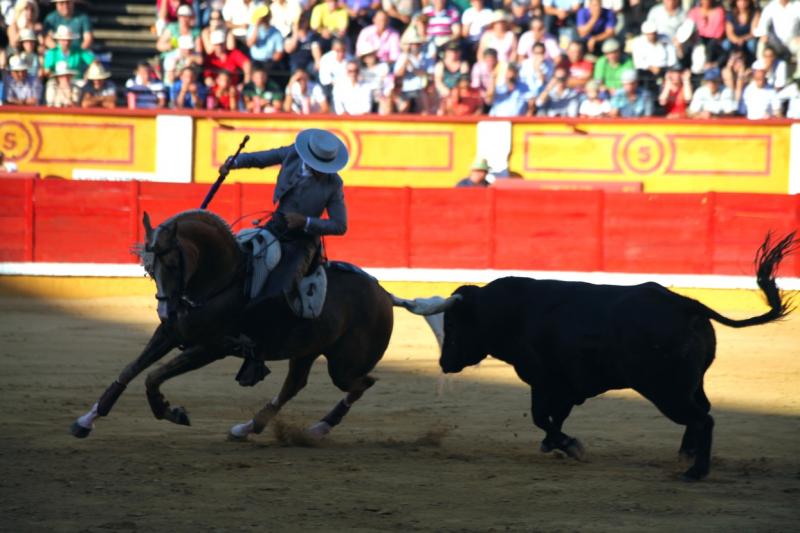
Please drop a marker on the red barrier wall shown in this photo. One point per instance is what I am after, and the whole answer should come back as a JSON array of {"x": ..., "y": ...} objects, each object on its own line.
[{"x": 714, "y": 233}]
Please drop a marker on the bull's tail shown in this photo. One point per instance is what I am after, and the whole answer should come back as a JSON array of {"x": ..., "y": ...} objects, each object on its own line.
[{"x": 768, "y": 257}]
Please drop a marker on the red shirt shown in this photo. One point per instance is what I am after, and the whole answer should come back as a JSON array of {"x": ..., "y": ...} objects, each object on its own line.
[
  {"x": 234, "y": 62},
  {"x": 676, "y": 103},
  {"x": 581, "y": 70}
]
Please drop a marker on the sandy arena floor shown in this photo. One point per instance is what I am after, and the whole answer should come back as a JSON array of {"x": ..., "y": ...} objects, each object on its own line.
[{"x": 416, "y": 453}]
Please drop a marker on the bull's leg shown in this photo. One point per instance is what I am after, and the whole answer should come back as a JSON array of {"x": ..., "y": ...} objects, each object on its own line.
[
  {"x": 296, "y": 379},
  {"x": 157, "y": 347},
  {"x": 688, "y": 449},
  {"x": 188, "y": 360},
  {"x": 549, "y": 412},
  {"x": 335, "y": 416}
]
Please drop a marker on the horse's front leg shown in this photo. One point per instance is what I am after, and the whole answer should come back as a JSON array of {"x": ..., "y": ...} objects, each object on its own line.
[
  {"x": 188, "y": 360},
  {"x": 157, "y": 347}
]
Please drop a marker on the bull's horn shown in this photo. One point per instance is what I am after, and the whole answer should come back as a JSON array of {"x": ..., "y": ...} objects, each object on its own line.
[{"x": 427, "y": 306}]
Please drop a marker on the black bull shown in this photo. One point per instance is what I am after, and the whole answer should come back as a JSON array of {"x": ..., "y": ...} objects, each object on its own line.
[{"x": 570, "y": 341}]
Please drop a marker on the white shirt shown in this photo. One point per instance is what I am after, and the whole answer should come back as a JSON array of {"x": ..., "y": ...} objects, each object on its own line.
[
  {"x": 237, "y": 12},
  {"x": 760, "y": 102},
  {"x": 311, "y": 102},
  {"x": 646, "y": 54},
  {"x": 666, "y": 24},
  {"x": 783, "y": 20},
  {"x": 526, "y": 42},
  {"x": 350, "y": 99},
  {"x": 331, "y": 69},
  {"x": 594, "y": 109},
  {"x": 791, "y": 93},
  {"x": 284, "y": 15},
  {"x": 476, "y": 20},
  {"x": 720, "y": 103},
  {"x": 776, "y": 76}
]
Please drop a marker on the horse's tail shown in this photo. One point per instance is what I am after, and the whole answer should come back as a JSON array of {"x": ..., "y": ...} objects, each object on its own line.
[{"x": 768, "y": 257}]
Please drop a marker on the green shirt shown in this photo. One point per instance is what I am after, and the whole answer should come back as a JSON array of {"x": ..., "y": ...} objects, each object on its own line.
[
  {"x": 270, "y": 93},
  {"x": 77, "y": 60},
  {"x": 609, "y": 75}
]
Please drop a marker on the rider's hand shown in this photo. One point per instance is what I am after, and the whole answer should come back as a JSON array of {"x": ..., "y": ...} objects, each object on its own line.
[
  {"x": 295, "y": 220},
  {"x": 226, "y": 166}
]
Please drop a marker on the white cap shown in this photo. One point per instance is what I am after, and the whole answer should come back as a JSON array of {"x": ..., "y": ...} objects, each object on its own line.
[
  {"x": 648, "y": 27},
  {"x": 217, "y": 37},
  {"x": 185, "y": 11},
  {"x": 758, "y": 64},
  {"x": 628, "y": 76},
  {"x": 16, "y": 64}
]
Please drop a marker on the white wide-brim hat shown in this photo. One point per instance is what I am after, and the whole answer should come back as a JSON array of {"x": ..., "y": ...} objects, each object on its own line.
[
  {"x": 63, "y": 33},
  {"x": 321, "y": 150},
  {"x": 96, "y": 71}
]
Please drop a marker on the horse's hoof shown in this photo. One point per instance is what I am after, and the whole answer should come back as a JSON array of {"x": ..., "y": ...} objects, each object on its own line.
[
  {"x": 178, "y": 415},
  {"x": 694, "y": 474},
  {"x": 319, "y": 430},
  {"x": 545, "y": 447},
  {"x": 575, "y": 449},
  {"x": 236, "y": 438},
  {"x": 79, "y": 431}
]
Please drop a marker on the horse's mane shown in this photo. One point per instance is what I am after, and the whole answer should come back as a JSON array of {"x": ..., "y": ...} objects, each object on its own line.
[{"x": 202, "y": 215}]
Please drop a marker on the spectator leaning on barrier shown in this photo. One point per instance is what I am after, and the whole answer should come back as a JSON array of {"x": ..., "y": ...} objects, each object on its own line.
[
  {"x": 99, "y": 90},
  {"x": 77, "y": 60},
  {"x": 223, "y": 94},
  {"x": 609, "y": 68},
  {"x": 145, "y": 90},
  {"x": 712, "y": 99},
  {"x": 78, "y": 24},
  {"x": 463, "y": 100},
  {"x": 304, "y": 96},
  {"x": 632, "y": 101},
  {"x": 791, "y": 94},
  {"x": 478, "y": 174},
  {"x": 188, "y": 92},
  {"x": 760, "y": 100},
  {"x": 21, "y": 88},
  {"x": 261, "y": 93},
  {"x": 351, "y": 96},
  {"x": 593, "y": 104},
  {"x": 333, "y": 67},
  {"x": 557, "y": 98},
  {"x": 63, "y": 92},
  {"x": 676, "y": 92}
]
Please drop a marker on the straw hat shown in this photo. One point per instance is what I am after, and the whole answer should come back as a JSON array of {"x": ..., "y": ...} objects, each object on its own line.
[
  {"x": 27, "y": 34},
  {"x": 498, "y": 15},
  {"x": 480, "y": 163},
  {"x": 62, "y": 69},
  {"x": 63, "y": 33},
  {"x": 97, "y": 71}
]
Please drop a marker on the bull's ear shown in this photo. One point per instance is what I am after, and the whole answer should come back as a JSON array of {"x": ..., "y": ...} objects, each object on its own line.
[{"x": 148, "y": 229}]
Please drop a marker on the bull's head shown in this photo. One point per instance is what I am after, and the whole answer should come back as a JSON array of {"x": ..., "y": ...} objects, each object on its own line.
[{"x": 454, "y": 321}]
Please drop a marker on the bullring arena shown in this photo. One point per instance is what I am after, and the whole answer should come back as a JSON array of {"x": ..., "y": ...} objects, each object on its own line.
[{"x": 420, "y": 451}]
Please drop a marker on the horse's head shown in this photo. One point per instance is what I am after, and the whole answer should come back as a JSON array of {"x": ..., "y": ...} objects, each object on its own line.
[{"x": 171, "y": 262}]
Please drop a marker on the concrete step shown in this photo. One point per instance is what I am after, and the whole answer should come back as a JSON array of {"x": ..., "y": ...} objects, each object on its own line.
[
  {"x": 120, "y": 8},
  {"x": 122, "y": 35},
  {"x": 117, "y": 21}
]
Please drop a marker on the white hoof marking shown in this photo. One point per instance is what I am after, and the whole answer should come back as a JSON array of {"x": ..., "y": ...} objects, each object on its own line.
[
  {"x": 319, "y": 430},
  {"x": 87, "y": 420},
  {"x": 242, "y": 430}
]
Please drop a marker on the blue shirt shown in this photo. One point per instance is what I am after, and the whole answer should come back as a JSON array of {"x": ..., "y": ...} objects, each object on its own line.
[
  {"x": 202, "y": 93},
  {"x": 642, "y": 106},
  {"x": 268, "y": 41},
  {"x": 510, "y": 103},
  {"x": 607, "y": 19}
]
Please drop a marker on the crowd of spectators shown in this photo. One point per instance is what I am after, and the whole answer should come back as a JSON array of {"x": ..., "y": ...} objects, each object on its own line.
[{"x": 505, "y": 58}]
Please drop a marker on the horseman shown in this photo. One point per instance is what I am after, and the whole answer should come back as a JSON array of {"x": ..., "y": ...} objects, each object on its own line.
[{"x": 308, "y": 184}]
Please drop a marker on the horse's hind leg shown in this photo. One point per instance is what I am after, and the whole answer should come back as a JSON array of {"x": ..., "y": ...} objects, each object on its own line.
[
  {"x": 295, "y": 380},
  {"x": 354, "y": 391}
]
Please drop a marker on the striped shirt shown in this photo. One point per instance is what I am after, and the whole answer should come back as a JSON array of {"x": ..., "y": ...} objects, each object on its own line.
[{"x": 440, "y": 23}]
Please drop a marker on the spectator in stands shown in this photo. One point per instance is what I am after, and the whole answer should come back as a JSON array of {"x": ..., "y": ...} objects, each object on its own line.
[
  {"x": 633, "y": 14},
  {"x": 537, "y": 71},
  {"x": 712, "y": 99},
  {"x": 238, "y": 15},
  {"x": 499, "y": 37},
  {"x": 651, "y": 55},
  {"x": 261, "y": 92},
  {"x": 24, "y": 17},
  {"x": 779, "y": 27},
  {"x": 557, "y": 98},
  {"x": 216, "y": 24},
  {"x": 791, "y": 93},
  {"x": 184, "y": 56},
  {"x": 28, "y": 53},
  {"x": 20, "y": 87},
  {"x": 360, "y": 13},
  {"x": 304, "y": 96},
  {"x": 667, "y": 17},
  {"x": 444, "y": 23},
  {"x": 330, "y": 19},
  {"x": 62, "y": 93},
  {"x": 632, "y": 101},
  {"x": 740, "y": 23},
  {"x": 145, "y": 90},
  {"x": 512, "y": 98},
  {"x": 560, "y": 18},
  {"x": 223, "y": 95},
  {"x": 285, "y": 14},
  {"x": 381, "y": 38},
  {"x": 759, "y": 100},
  {"x": 265, "y": 41},
  {"x": 676, "y": 92},
  {"x": 77, "y": 59},
  {"x": 474, "y": 20},
  {"x": 187, "y": 92},
  {"x": 463, "y": 100},
  {"x": 709, "y": 21},
  {"x": 400, "y": 12},
  {"x": 351, "y": 96},
  {"x": 595, "y": 24},
  {"x": 609, "y": 68},
  {"x": 375, "y": 75},
  {"x": 184, "y": 27},
  {"x": 447, "y": 72},
  {"x": 333, "y": 67},
  {"x": 522, "y": 12},
  {"x": 65, "y": 15},
  {"x": 537, "y": 34},
  {"x": 578, "y": 68},
  {"x": 7, "y": 166},
  {"x": 411, "y": 78},
  {"x": 166, "y": 12},
  {"x": 221, "y": 58},
  {"x": 486, "y": 71},
  {"x": 775, "y": 67},
  {"x": 478, "y": 173},
  {"x": 304, "y": 47},
  {"x": 99, "y": 91},
  {"x": 593, "y": 104}
]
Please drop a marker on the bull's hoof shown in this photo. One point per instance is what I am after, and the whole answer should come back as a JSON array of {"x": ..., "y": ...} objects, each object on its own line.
[
  {"x": 178, "y": 415},
  {"x": 575, "y": 449},
  {"x": 694, "y": 473},
  {"x": 79, "y": 431}
]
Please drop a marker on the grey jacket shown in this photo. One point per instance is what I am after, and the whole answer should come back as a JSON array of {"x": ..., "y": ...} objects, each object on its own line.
[{"x": 304, "y": 194}]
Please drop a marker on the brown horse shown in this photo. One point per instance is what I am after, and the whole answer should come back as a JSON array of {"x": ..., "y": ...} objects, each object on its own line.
[{"x": 198, "y": 269}]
